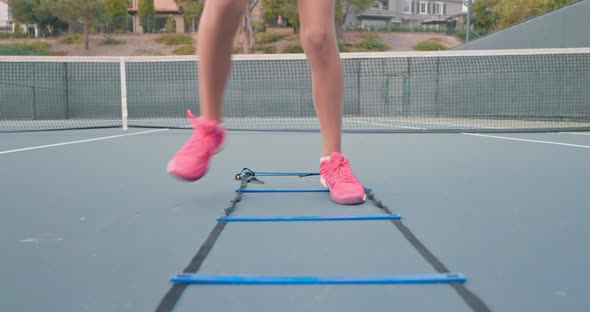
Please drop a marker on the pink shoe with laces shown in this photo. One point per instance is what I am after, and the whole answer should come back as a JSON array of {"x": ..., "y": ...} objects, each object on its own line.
[
  {"x": 191, "y": 161},
  {"x": 336, "y": 175}
]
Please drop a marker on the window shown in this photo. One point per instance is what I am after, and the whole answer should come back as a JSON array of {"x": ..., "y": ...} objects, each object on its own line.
[
  {"x": 422, "y": 8},
  {"x": 382, "y": 4},
  {"x": 437, "y": 8},
  {"x": 407, "y": 7}
]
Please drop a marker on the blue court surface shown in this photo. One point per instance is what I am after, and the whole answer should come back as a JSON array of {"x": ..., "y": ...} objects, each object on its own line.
[{"x": 91, "y": 221}]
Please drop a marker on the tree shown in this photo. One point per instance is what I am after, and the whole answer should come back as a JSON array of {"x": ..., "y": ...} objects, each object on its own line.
[
  {"x": 117, "y": 13},
  {"x": 484, "y": 16},
  {"x": 192, "y": 10},
  {"x": 39, "y": 12},
  {"x": 550, "y": 5},
  {"x": 115, "y": 7},
  {"x": 345, "y": 7},
  {"x": 147, "y": 15},
  {"x": 248, "y": 32},
  {"x": 23, "y": 10},
  {"x": 514, "y": 11},
  {"x": 272, "y": 9},
  {"x": 492, "y": 15},
  {"x": 89, "y": 13}
]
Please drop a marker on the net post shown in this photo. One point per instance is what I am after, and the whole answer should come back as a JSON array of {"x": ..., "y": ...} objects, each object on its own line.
[
  {"x": 124, "y": 112},
  {"x": 468, "y": 21},
  {"x": 66, "y": 92},
  {"x": 34, "y": 89}
]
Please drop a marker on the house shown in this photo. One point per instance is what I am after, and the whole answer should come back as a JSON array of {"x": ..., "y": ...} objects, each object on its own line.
[
  {"x": 407, "y": 12},
  {"x": 164, "y": 10},
  {"x": 5, "y": 20}
]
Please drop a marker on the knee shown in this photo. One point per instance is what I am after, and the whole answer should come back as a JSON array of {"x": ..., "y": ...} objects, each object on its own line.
[{"x": 317, "y": 40}]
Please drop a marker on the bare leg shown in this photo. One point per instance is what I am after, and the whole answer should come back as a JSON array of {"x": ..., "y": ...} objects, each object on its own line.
[
  {"x": 318, "y": 38},
  {"x": 217, "y": 27}
]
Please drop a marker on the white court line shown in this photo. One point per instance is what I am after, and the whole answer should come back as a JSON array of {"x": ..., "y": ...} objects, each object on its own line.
[
  {"x": 526, "y": 140},
  {"x": 385, "y": 125},
  {"x": 424, "y": 123},
  {"x": 80, "y": 141},
  {"x": 490, "y": 136},
  {"x": 445, "y": 124},
  {"x": 408, "y": 127},
  {"x": 577, "y": 133}
]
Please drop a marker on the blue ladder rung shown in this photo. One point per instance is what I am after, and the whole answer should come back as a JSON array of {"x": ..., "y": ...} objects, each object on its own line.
[
  {"x": 309, "y": 218},
  {"x": 188, "y": 278},
  {"x": 266, "y": 173},
  {"x": 283, "y": 191}
]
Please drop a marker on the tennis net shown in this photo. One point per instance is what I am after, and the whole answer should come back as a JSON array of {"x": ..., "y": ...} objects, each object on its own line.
[{"x": 451, "y": 91}]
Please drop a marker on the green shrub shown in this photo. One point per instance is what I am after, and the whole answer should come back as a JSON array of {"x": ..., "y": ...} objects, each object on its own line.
[
  {"x": 15, "y": 35},
  {"x": 170, "y": 25},
  {"x": 30, "y": 48},
  {"x": 265, "y": 49},
  {"x": 110, "y": 40},
  {"x": 185, "y": 50},
  {"x": 175, "y": 39},
  {"x": 6, "y": 49},
  {"x": 429, "y": 45},
  {"x": 396, "y": 27},
  {"x": 237, "y": 49},
  {"x": 343, "y": 47},
  {"x": 264, "y": 38},
  {"x": 462, "y": 35},
  {"x": 72, "y": 39},
  {"x": 293, "y": 48},
  {"x": 372, "y": 43},
  {"x": 260, "y": 26}
]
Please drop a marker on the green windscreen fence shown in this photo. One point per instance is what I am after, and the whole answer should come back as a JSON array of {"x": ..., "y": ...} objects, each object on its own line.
[
  {"x": 6, "y": 49},
  {"x": 483, "y": 91}
]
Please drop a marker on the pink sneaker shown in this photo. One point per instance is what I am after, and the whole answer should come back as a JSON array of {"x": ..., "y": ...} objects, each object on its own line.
[
  {"x": 338, "y": 178},
  {"x": 192, "y": 160}
]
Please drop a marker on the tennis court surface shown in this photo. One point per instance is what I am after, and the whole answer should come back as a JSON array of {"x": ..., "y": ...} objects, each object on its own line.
[{"x": 475, "y": 164}]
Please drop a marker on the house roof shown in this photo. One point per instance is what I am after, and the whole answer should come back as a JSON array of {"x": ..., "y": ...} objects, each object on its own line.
[
  {"x": 161, "y": 6},
  {"x": 165, "y": 5}
]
